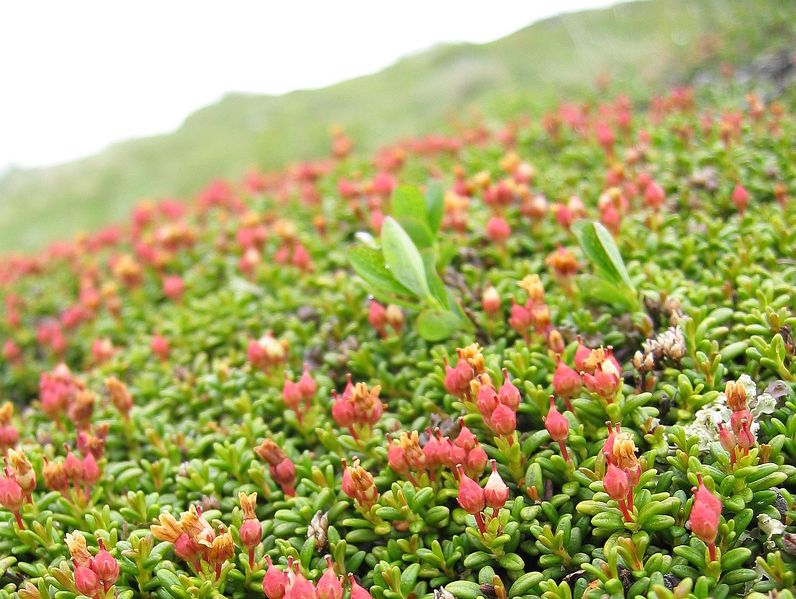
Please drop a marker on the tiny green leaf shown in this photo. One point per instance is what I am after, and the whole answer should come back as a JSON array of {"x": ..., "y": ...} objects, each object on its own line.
[{"x": 403, "y": 259}]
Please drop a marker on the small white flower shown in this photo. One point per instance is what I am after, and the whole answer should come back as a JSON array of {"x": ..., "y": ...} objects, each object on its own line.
[
  {"x": 706, "y": 421},
  {"x": 771, "y": 528}
]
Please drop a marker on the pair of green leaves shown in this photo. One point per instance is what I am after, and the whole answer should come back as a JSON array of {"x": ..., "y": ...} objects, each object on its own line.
[
  {"x": 403, "y": 270},
  {"x": 611, "y": 283}
]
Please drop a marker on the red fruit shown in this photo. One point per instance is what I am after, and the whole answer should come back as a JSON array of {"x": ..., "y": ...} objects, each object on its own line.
[
  {"x": 503, "y": 420},
  {"x": 509, "y": 395},
  {"x": 555, "y": 423},
  {"x": 566, "y": 382},
  {"x": 275, "y": 581},
  {"x": 329, "y": 586},
  {"x": 105, "y": 567},
  {"x": 471, "y": 496},
  {"x": 495, "y": 492},
  {"x": 86, "y": 581},
  {"x": 615, "y": 483}
]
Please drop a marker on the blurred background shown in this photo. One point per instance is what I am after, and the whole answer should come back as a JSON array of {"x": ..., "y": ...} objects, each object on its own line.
[{"x": 104, "y": 104}]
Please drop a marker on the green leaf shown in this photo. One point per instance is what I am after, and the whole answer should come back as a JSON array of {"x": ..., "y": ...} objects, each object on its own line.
[
  {"x": 408, "y": 202},
  {"x": 434, "y": 325},
  {"x": 369, "y": 265},
  {"x": 606, "y": 292},
  {"x": 435, "y": 284},
  {"x": 435, "y": 205},
  {"x": 403, "y": 259},
  {"x": 418, "y": 231},
  {"x": 599, "y": 247}
]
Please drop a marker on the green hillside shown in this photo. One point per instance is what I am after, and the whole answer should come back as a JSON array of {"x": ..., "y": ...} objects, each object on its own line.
[{"x": 643, "y": 45}]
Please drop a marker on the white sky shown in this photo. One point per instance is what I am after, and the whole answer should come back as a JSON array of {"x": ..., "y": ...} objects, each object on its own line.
[{"x": 78, "y": 75}]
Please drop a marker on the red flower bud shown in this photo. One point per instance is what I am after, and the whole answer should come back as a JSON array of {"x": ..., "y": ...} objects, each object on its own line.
[
  {"x": 250, "y": 533},
  {"x": 396, "y": 457},
  {"x": 654, "y": 196},
  {"x": 740, "y": 197},
  {"x": 91, "y": 472},
  {"x": 509, "y": 395},
  {"x": 105, "y": 566},
  {"x": 582, "y": 353},
  {"x": 471, "y": 496},
  {"x": 377, "y": 316},
  {"x": 275, "y": 581},
  {"x": 291, "y": 394},
  {"x": 498, "y": 229},
  {"x": 342, "y": 411},
  {"x": 737, "y": 418},
  {"x": 307, "y": 384},
  {"x": 746, "y": 439},
  {"x": 615, "y": 483},
  {"x": 476, "y": 461},
  {"x": 86, "y": 581},
  {"x": 186, "y": 548},
  {"x": 11, "y": 494},
  {"x": 285, "y": 476},
  {"x": 465, "y": 439},
  {"x": 160, "y": 347},
  {"x": 490, "y": 300},
  {"x": 503, "y": 420},
  {"x": 329, "y": 586},
  {"x": 727, "y": 439},
  {"x": 566, "y": 382},
  {"x": 495, "y": 492},
  {"x": 487, "y": 400},
  {"x": 555, "y": 423},
  {"x": 357, "y": 592}
]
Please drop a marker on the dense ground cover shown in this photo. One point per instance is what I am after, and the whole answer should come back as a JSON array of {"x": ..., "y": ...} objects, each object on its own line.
[{"x": 575, "y": 379}]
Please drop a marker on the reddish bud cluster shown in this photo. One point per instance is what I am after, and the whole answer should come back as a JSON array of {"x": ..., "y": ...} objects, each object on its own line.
[
  {"x": 94, "y": 576},
  {"x": 498, "y": 407},
  {"x": 623, "y": 468},
  {"x": 266, "y": 352},
  {"x": 358, "y": 407},
  {"x": 282, "y": 469},
  {"x": 291, "y": 583},
  {"x": 359, "y": 485},
  {"x": 298, "y": 395},
  {"x": 601, "y": 373}
]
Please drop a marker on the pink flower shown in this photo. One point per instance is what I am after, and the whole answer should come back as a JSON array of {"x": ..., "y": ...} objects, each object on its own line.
[
  {"x": 105, "y": 567},
  {"x": 615, "y": 483},
  {"x": 86, "y": 581},
  {"x": 555, "y": 423},
  {"x": 173, "y": 287},
  {"x": 498, "y": 229}
]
